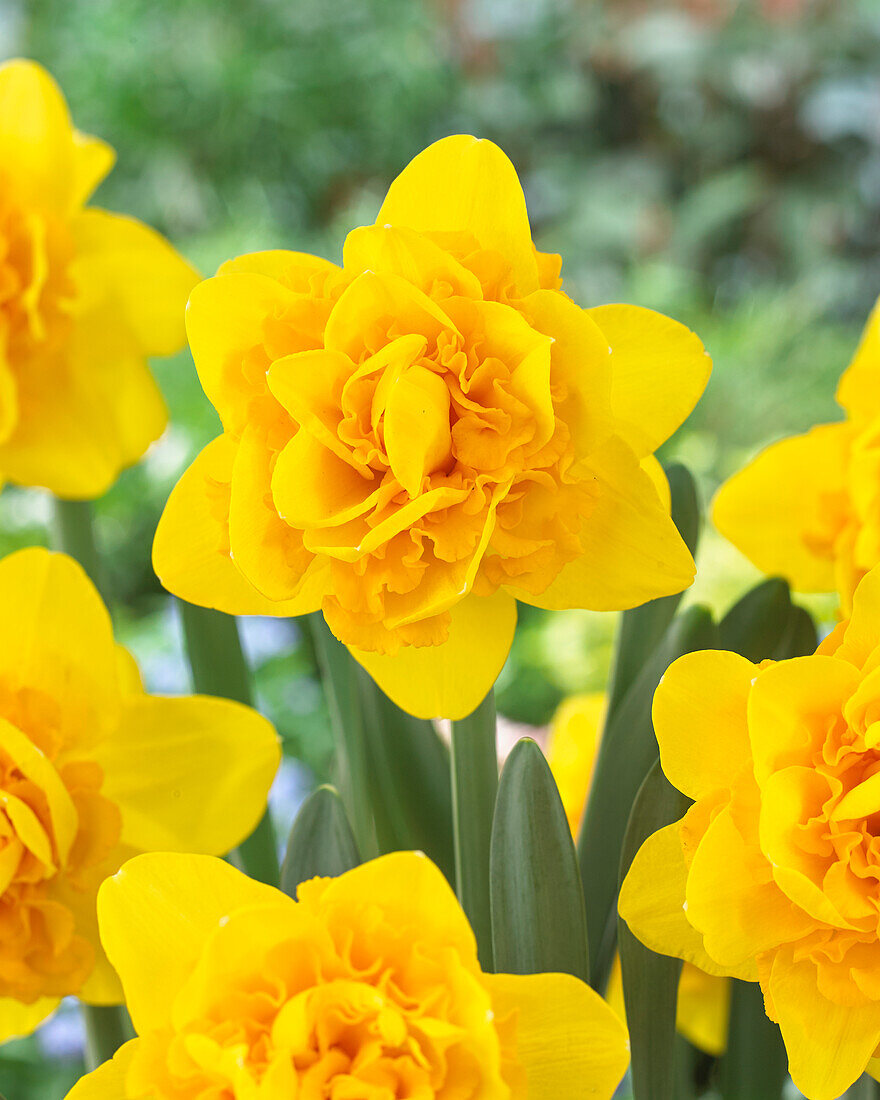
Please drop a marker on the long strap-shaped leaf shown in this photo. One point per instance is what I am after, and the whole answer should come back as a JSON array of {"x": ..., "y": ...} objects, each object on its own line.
[
  {"x": 538, "y": 919},
  {"x": 626, "y": 754},
  {"x": 320, "y": 843},
  {"x": 755, "y": 1065},
  {"x": 650, "y": 981}
]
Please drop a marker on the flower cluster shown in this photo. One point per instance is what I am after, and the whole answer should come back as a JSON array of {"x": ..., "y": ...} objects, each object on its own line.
[
  {"x": 92, "y": 771},
  {"x": 773, "y": 873},
  {"x": 417, "y": 438},
  {"x": 368, "y": 985},
  {"x": 85, "y": 297}
]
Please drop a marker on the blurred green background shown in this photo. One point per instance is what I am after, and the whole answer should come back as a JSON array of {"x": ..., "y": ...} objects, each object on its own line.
[{"x": 713, "y": 159}]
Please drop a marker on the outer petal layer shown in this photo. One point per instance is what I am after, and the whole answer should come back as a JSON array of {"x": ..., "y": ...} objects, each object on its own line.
[
  {"x": 775, "y": 510},
  {"x": 107, "y": 1082},
  {"x": 163, "y": 899},
  {"x": 452, "y": 679},
  {"x": 21, "y": 1019},
  {"x": 189, "y": 774},
  {"x": 568, "y": 1041}
]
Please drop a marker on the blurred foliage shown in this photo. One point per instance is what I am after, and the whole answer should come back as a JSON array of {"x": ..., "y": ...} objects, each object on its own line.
[{"x": 714, "y": 159}]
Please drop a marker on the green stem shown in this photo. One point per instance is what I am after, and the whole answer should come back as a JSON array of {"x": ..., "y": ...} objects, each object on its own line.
[
  {"x": 866, "y": 1088},
  {"x": 474, "y": 786},
  {"x": 755, "y": 1064},
  {"x": 339, "y": 674},
  {"x": 219, "y": 668},
  {"x": 107, "y": 1028},
  {"x": 73, "y": 532}
]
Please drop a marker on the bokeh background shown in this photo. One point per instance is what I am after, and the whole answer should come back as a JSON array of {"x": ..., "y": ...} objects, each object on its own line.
[{"x": 713, "y": 159}]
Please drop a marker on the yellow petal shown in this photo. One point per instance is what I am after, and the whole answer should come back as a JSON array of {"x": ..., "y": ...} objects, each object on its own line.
[
  {"x": 55, "y": 634},
  {"x": 191, "y": 549},
  {"x": 859, "y": 388},
  {"x": 732, "y": 900},
  {"x": 700, "y": 718},
  {"x": 164, "y": 900},
  {"x": 779, "y": 510},
  {"x": 652, "y": 901},
  {"x": 571, "y": 750},
  {"x": 651, "y": 465},
  {"x": 225, "y": 322},
  {"x": 417, "y": 431},
  {"x": 130, "y": 680},
  {"x": 95, "y": 415},
  {"x": 632, "y": 550},
  {"x": 92, "y": 161},
  {"x": 189, "y": 774},
  {"x": 107, "y": 1082},
  {"x": 452, "y": 679},
  {"x": 313, "y": 487},
  {"x": 18, "y": 1019},
  {"x": 8, "y": 400},
  {"x": 463, "y": 185},
  {"x": 36, "y": 135},
  {"x": 134, "y": 271},
  {"x": 293, "y": 270},
  {"x": 821, "y": 1070},
  {"x": 791, "y": 707},
  {"x": 659, "y": 369},
  {"x": 858, "y": 638},
  {"x": 397, "y": 250},
  {"x": 568, "y": 1041},
  {"x": 413, "y": 893},
  {"x": 703, "y": 1009},
  {"x": 581, "y": 358}
]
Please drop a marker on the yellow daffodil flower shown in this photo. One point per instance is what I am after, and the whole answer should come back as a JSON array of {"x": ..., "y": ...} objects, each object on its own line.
[
  {"x": 703, "y": 1009},
  {"x": 92, "y": 771},
  {"x": 85, "y": 297},
  {"x": 416, "y": 439},
  {"x": 808, "y": 507},
  {"x": 774, "y": 873},
  {"x": 368, "y": 985}
]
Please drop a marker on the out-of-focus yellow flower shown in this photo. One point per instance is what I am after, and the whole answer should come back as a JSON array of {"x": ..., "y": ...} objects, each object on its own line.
[
  {"x": 774, "y": 873},
  {"x": 92, "y": 771},
  {"x": 368, "y": 985},
  {"x": 703, "y": 1008},
  {"x": 85, "y": 297},
  {"x": 419, "y": 437},
  {"x": 808, "y": 508}
]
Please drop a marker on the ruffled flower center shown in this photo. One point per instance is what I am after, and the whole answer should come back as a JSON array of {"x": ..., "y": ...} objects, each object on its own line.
[{"x": 55, "y": 828}]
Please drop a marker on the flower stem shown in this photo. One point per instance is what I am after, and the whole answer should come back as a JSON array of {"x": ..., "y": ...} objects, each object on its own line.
[
  {"x": 73, "y": 532},
  {"x": 219, "y": 668},
  {"x": 107, "y": 1028},
  {"x": 474, "y": 786}
]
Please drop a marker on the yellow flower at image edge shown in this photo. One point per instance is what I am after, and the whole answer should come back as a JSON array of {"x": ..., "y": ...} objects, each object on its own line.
[
  {"x": 367, "y": 986},
  {"x": 773, "y": 875},
  {"x": 703, "y": 1008},
  {"x": 93, "y": 771},
  {"x": 808, "y": 507},
  {"x": 416, "y": 439},
  {"x": 85, "y": 297}
]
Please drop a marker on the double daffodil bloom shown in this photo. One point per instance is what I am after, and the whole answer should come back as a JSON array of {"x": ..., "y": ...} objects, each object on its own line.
[
  {"x": 808, "y": 507},
  {"x": 85, "y": 297},
  {"x": 367, "y": 986},
  {"x": 420, "y": 437},
  {"x": 703, "y": 1009},
  {"x": 773, "y": 875},
  {"x": 93, "y": 771}
]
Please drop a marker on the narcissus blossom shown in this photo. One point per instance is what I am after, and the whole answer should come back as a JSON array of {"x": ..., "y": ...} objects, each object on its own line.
[
  {"x": 416, "y": 439},
  {"x": 92, "y": 771},
  {"x": 774, "y": 873},
  {"x": 85, "y": 297},
  {"x": 703, "y": 1008},
  {"x": 808, "y": 507},
  {"x": 367, "y": 986}
]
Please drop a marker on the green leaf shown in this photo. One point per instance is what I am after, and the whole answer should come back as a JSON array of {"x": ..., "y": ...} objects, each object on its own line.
[
  {"x": 320, "y": 843},
  {"x": 765, "y": 623},
  {"x": 538, "y": 919},
  {"x": 641, "y": 628},
  {"x": 650, "y": 981},
  {"x": 755, "y": 1064},
  {"x": 626, "y": 754}
]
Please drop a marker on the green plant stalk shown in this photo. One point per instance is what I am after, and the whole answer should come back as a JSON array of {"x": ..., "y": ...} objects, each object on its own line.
[
  {"x": 219, "y": 668},
  {"x": 474, "y": 764},
  {"x": 107, "y": 1026},
  {"x": 339, "y": 674},
  {"x": 755, "y": 1065}
]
